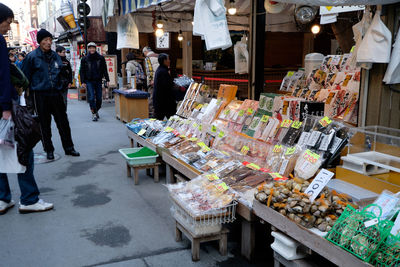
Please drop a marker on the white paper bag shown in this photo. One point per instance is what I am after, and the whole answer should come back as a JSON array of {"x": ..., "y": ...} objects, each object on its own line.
[
  {"x": 241, "y": 57},
  {"x": 9, "y": 160},
  {"x": 128, "y": 33}
]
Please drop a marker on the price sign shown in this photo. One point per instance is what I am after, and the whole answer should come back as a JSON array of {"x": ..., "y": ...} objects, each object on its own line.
[
  {"x": 141, "y": 132},
  {"x": 241, "y": 113},
  {"x": 297, "y": 124},
  {"x": 193, "y": 139},
  {"x": 199, "y": 106},
  {"x": 250, "y": 111},
  {"x": 168, "y": 129},
  {"x": 195, "y": 125},
  {"x": 245, "y": 150},
  {"x": 213, "y": 129},
  {"x": 226, "y": 112},
  {"x": 203, "y": 146},
  {"x": 152, "y": 119},
  {"x": 278, "y": 177},
  {"x": 311, "y": 156},
  {"x": 325, "y": 121},
  {"x": 290, "y": 73},
  {"x": 222, "y": 187},
  {"x": 265, "y": 118},
  {"x": 182, "y": 136},
  {"x": 318, "y": 184},
  {"x": 221, "y": 134},
  {"x": 200, "y": 127},
  {"x": 286, "y": 123},
  {"x": 277, "y": 149},
  {"x": 253, "y": 166},
  {"x": 212, "y": 177},
  {"x": 290, "y": 150}
]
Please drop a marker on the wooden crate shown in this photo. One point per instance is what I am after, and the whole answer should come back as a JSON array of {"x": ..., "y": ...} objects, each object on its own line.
[{"x": 132, "y": 108}]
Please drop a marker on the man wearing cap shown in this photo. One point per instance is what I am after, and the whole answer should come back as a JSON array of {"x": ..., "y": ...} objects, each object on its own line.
[
  {"x": 93, "y": 70},
  {"x": 151, "y": 63},
  {"x": 42, "y": 68}
]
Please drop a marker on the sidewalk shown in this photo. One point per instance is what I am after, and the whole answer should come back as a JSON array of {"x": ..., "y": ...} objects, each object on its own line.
[{"x": 100, "y": 217}]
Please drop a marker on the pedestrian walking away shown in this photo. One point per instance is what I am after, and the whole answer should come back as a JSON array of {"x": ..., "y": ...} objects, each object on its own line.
[
  {"x": 29, "y": 200},
  {"x": 151, "y": 64},
  {"x": 42, "y": 67},
  {"x": 133, "y": 68},
  {"x": 93, "y": 70},
  {"x": 65, "y": 74}
]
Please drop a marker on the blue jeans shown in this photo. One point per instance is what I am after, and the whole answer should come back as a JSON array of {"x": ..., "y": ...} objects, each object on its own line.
[
  {"x": 95, "y": 95},
  {"x": 29, "y": 190}
]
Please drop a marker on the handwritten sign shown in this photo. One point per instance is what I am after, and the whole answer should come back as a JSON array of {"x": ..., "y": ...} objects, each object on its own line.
[{"x": 319, "y": 182}]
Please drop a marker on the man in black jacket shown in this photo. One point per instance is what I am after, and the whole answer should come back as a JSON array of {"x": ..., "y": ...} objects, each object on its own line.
[
  {"x": 65, "y": 73},
  {"x": 30, "y": 201},
  {"x": 93, "y": 70}
]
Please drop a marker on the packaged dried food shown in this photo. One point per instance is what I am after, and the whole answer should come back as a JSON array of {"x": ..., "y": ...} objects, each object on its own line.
[
  {"x": 289, "y": 159},
  {"x": 307, "y": 164}
]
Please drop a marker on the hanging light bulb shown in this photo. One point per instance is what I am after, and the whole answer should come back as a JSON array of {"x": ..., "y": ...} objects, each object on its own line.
[
  {"x": 232, "y": 7},
  {"x": 160, "y": 23},
  {"x": 192, "y": 23},
  {"x": 315, "y": 29},
  {"x": 159, "y": 32},
  {"x": 180, "y": 36}
]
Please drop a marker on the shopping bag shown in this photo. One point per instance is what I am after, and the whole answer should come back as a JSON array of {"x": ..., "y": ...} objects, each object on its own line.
[
  {"x": 128, "y": 33},
  {"x": 9, "y": 160},
  {"x": 241, "y": 57},
  {"x": 7, "y": 132}
]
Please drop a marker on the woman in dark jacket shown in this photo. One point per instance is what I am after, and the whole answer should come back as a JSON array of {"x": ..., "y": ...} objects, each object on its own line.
[{"x": 163, "y": 95}]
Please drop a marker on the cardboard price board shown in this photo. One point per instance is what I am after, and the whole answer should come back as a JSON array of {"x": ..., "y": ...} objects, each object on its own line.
[{"x": 111, "y": 62}]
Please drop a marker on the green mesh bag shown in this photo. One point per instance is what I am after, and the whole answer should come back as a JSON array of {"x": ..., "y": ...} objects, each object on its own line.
[
  {"x": 353, "y": 233},
  {"x": 388, "y": 253}
]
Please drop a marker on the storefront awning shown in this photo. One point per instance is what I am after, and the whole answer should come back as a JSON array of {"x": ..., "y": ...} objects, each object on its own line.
[{"x": 339, "y": 2}]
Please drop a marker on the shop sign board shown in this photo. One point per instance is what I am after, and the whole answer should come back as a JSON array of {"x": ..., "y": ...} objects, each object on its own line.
[
  {"x": 111, "y": 62},
  {"x": 330, "y": 10}
]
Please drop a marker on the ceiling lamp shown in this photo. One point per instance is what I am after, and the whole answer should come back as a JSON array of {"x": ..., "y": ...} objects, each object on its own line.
[
  {"x": 315, "y": 29},
  {"x": 160, "y": 23},
  {"x": 232, "y": 7},
  {"x": 180, "y": 36},
  {"x": 159, "y": 32}
]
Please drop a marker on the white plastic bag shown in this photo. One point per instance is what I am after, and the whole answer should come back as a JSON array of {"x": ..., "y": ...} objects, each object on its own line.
[
  {"x": 128, "y": 33},
  {"x": 241, "y": 57},
  {"x": 9, "y": 160},
  {"x": 7, "y": 132},
  {"x": 392, "y": 75}
]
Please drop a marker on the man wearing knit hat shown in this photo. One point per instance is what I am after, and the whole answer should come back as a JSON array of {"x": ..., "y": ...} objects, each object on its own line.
[{"x": 42, "y": 68}]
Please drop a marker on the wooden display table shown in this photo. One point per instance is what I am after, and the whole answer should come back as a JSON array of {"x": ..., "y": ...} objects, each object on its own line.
[
  {"x": 136, "y": 169},
  {"x": 316, "y": 243},
  {"x": 129, "y": 106},
  {"x": 221, "y": 236}
]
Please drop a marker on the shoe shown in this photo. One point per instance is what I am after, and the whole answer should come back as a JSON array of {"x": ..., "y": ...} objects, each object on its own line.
[
  {"x": 37, "y": 207},
  {"x": 50, "y": 155},
  {"x": 4, "y": 206},
  {"x": 97, "y": 115},
  {"x": 72, "y": 152},
  {"x": 94, "y": 117}
]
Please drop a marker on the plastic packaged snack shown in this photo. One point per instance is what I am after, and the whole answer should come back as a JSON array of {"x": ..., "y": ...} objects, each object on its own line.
[{"x": 307, "y": 164}]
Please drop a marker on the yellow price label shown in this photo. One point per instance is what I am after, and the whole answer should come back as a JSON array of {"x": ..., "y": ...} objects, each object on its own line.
[
  {"x": 297, "y": 124},
  {"x": 290, "y": 150},
  {"x": 182, "y": 136},
  {"x": 277, "y": 149},
  {"x": 286, "y": 123},
  {"x": 168, "y": 129},
  {"x": 213, "y": 129},
  {"x": 245, "y": 150},
  {"x": 221, "y": 134},
  {"x": 325, "y": 121},
  {"x": 265, "y": 118},
  {"x": 193, "y": 139},
  {"x": 200, "y": 127},
  {"x": 290, "y": 73},
  {"x": 141, "y": 132},
  {"x": 199, "y": 106},
  {"x": 195, "y": 125},
  {"x": 311, "y": 156},
  {"x": 250, "y": 111},
  {"x": 204, "y": 147},
  {"x": 241, "y": 113},
  {"x": 227, "y": 111},
  {"x": 212, "y": 177},
  {"x": 152, "y": 119},
  {"x": 222, "y": 187},
  {"x": 253, "y": 166}
]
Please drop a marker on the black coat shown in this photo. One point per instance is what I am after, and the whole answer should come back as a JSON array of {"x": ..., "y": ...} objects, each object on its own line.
[
  {"x": 93, "y": 68},
  {"x": 65, "y": 73},
  {"x": 163, "y": 95}
]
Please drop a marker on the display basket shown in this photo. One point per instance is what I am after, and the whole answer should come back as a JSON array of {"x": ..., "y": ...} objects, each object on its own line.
[
  {"x": 151, "y": 158},
  {"x": 211, "y": 217},
  {"x": 360, "y": 232},
  {"x": 388, "y": 253}
]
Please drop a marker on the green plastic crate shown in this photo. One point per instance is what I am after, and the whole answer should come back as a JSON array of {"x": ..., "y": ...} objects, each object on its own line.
[{"x": 137, "y": 160}]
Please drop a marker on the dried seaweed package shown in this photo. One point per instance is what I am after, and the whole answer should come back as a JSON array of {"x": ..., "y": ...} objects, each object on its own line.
[
  {"x": 292, "y": 134},
  {"x": 274, "y": 158},
  {"x": 322, "y": 127},
  {"x": 282, "y": 131},
  {"x": 261, "y": 126}
]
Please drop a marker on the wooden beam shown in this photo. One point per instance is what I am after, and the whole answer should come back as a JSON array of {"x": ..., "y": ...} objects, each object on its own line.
[{"x": 187, "y": 54}]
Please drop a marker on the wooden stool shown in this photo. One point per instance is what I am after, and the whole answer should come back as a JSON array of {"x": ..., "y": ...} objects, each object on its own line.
[
  {"x": 136, "y": 169},
  {"x": 222, "y": 236}
]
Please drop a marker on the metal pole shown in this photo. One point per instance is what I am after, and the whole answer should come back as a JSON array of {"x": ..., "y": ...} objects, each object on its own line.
[
  {"x": 259, "y": 49},
  {"x": 85, "y": 26}
]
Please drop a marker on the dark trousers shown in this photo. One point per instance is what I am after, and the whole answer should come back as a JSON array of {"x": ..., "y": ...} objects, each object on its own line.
[
  {"x": 47, "y": 105},
  {"x": 29, "y": 190},
  {"x": 95, "y": 95}
]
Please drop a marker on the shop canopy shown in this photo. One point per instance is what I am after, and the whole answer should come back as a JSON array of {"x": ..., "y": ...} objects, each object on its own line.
[
  {"x": 338, "y": 2},
  {"x": 182, "y": 10}
]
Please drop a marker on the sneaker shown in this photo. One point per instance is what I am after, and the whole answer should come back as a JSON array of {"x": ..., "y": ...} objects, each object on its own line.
[
  {"x": 37, "y": 207},
  {"x": 4, "y": 206},
  {"x": 97, "y": 115},
  {"x": 94, "y": 117}
]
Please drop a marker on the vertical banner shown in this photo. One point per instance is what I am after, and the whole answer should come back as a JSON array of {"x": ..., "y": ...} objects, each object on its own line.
[
  {"x": 33, "y": 35},
  {"x": 34, "y": 15},
  {"x": 111, "y": 61}
]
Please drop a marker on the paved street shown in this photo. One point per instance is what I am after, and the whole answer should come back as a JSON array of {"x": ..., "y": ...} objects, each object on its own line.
[{"x": 100, "y": 217}]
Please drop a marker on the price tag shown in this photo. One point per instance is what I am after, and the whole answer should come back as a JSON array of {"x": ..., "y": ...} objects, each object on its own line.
[
  {"x": 204, "y": 147},
  {"x": 152, "y": 119},
  {"x": 222, "y": 187},
  {"x": 212, "y": 177},
  {"x": 286, "y": 123},
  {"x": 265, "y": 118},
  {"x": 318, "y": 183},
  {"x": 193, "y": 139},
  {"x": 311, "y": 156},
  {"x": 297, "y": 124},
  {"x": 371, "y": 222},
  {"x": 221, "y": 134},
  {"x": 226, "y": 112},
  {"x": 290, "y": 73},
  {"x": 241, "y": 113},
  {"x": 195, "y": 125},
  {"x": 250, "y": 111},
  {"x": 213, "y": 129},
  {"x": 278, "y": 177},
  {"x": 168, "y": 129},
  {"x": 200, "y": 127},
  {"x": 253, "y": 166},
  {"x": 199, "y": 106},
  {"x": 182, "y": 136},
  {"x": 245, "y": 150},
  {"x": 277, "y": 149},
  {"x": 325, "y": 121},
  {"x": 141, "y": 132},
  {"x": 290, "y": 150}
]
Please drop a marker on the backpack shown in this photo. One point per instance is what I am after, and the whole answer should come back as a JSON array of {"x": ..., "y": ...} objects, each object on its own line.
[{"x": 139, "y": 73}]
